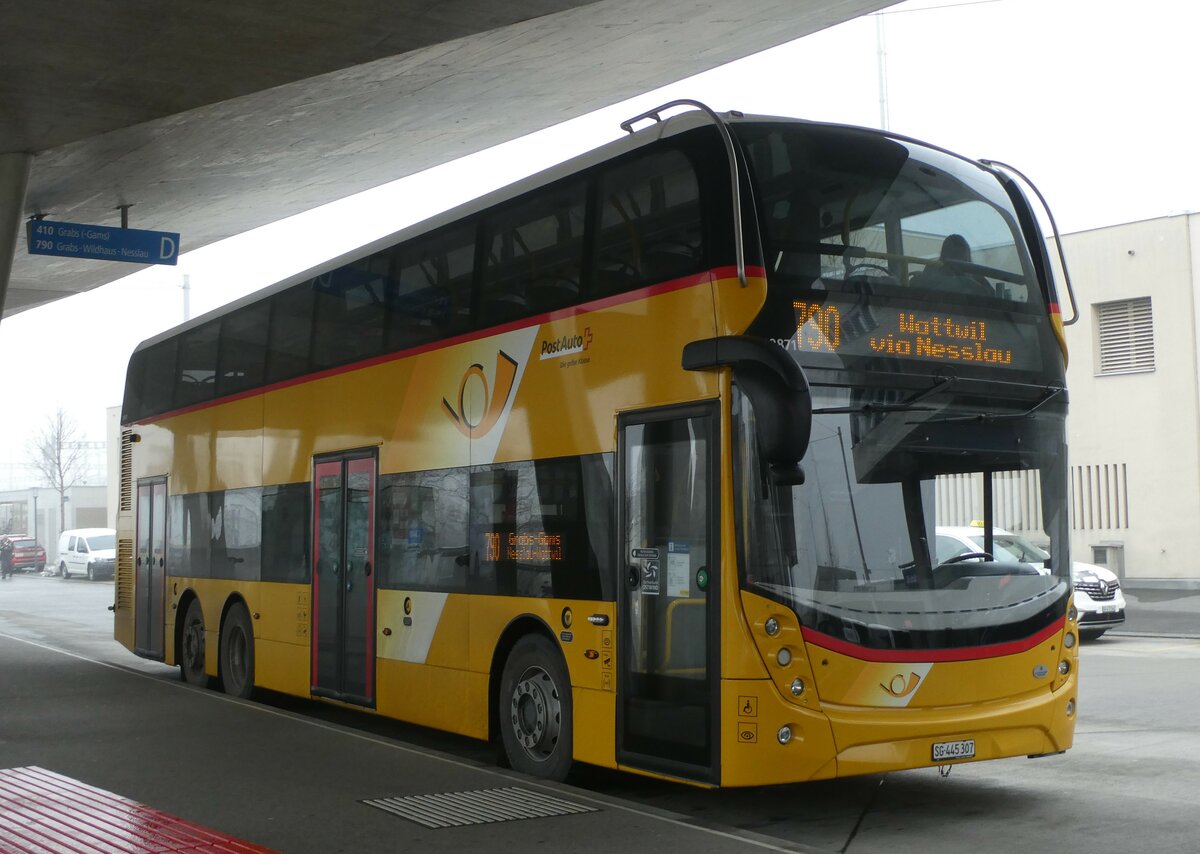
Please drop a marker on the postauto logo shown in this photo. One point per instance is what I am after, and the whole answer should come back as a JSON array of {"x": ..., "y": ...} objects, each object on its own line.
[{"x": 566, "y": 345}]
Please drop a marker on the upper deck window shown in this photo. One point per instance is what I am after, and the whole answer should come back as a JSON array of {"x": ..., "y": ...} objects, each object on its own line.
[
  {"x": 650, "y": 223},
  {"x": 533, "y": 255}
]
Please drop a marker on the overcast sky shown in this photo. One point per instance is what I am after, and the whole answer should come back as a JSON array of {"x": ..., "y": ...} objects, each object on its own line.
[{"x": 1090, "y": 98}]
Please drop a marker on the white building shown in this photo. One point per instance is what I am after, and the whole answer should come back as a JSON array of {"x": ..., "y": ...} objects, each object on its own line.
[
  {"x": 1134, "y": 382},
  {"x": 36, "y": 510}
]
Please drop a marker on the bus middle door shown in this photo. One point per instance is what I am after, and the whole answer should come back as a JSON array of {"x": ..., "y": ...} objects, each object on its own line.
[{"x": 343, "y": 580}]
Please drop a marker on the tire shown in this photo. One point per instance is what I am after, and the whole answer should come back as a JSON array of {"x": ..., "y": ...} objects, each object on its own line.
[
  {"x": 534, "y": 709},
  {"x": 62, "y": 571},
  {"x": 191, "y": 646},
  {"x": 237, "y": 653},
  {"x": 91, "y": 575}
]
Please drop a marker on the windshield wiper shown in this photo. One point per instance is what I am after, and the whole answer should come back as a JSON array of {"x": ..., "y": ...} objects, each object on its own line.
[
  {"x": 909, "y": 405},
  {"x": 989, "y": 417}
]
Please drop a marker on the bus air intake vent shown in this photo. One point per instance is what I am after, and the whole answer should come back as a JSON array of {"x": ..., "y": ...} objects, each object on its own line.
[
  {"x": 126, "y": 484},
  {"x": 123, "y": 589},
  {"x": 482, "y": 806}
]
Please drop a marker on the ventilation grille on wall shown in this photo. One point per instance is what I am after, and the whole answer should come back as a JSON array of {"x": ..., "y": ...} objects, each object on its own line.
[
  {"x": 1099, "y": 497},
  {"x": 1126, "y": 335},
  {"x": 1016, "y": 500}
]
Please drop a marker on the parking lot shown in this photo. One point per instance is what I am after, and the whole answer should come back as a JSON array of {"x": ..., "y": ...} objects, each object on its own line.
[{"x": 1131, "y": 783}]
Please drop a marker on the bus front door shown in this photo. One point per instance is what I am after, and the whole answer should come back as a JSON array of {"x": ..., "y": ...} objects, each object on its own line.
[
  {"x": 343, "y": 579},
  {"x": 667, "y": 660},
  {"x": 150, "y": 584}
]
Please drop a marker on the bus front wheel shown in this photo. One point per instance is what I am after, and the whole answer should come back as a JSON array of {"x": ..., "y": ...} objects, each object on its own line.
[
  {"x": 535, "y": 709},
  {"x": 191, "y": 646},
  {"x": 237, "y": 653}
]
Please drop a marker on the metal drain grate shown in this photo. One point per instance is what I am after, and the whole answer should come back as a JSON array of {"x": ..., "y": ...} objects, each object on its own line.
[{"x": 483, "y": 806}]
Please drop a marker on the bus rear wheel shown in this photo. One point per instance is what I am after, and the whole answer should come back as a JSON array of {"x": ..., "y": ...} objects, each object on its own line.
[
  {"x": 237, "y": 653},
  {"x": 535, "y": 709},
  {"x": 191, "y": 646}
]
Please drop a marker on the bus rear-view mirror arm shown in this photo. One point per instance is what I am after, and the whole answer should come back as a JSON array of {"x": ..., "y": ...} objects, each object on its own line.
[{"x": 778, "y": 391}]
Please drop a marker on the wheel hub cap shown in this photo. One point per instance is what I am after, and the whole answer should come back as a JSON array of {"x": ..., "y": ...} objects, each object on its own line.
[{"x": 536, "y": 713}]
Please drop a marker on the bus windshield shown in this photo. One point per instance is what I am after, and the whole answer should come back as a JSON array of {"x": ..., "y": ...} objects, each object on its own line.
[{"x": 900, "y": 280}]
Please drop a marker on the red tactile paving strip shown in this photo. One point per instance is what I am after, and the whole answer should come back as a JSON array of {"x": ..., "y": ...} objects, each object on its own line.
[{"x": 46, "y": 813}]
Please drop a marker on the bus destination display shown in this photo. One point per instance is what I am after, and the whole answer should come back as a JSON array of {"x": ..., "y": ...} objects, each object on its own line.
[{"x": 854, "y": 330}]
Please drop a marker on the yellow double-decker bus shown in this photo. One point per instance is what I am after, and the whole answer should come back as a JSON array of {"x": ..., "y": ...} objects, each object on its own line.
[{"x": 637, "y": 463}]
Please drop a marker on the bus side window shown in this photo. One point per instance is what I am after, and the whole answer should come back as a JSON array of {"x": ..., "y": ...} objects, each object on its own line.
[
  {"x": 290, "y": 337},
  {"x": 422, "y": 540},
  {"x": 533, "y": 255},
  {"x": 151, "y": 381},
  {"x": 286, "y": 533},
  {"x": 430, "y": 297},
  {"x": 650, "y": 224},
  {"x": 243, "y": 352},
  {"x": 197, "y": 367},
  {"x": 349, "y": 311}
]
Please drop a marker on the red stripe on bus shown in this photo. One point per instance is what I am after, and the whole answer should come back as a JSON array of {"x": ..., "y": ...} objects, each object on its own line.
[
  {"x": 706, "y": 277},
  {"x": 966, "y": 653}
]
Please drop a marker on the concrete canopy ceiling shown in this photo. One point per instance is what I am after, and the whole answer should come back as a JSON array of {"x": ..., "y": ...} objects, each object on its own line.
[{"x": 214, "y": 117}]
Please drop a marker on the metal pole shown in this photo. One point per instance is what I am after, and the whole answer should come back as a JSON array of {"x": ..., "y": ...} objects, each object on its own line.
[
  {"x": 881, "y": 62},
  {"x": 187, "y": 294}
]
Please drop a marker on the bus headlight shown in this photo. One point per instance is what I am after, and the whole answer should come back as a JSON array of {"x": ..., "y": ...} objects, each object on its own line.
[
  {"x": 784, "y": 657},
  {"x": 1073, "y": 614},
  {"x": 784, "y": 734},
  {"x": 797, "y": 687},
  {"x": 1069, "y": 640},
  {"x": 771, "y": 626},
  {"x": 1064, "y": 667}
]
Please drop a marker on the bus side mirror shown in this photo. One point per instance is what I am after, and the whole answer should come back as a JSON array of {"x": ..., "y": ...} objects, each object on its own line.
[{"x": 778, "y": 391}]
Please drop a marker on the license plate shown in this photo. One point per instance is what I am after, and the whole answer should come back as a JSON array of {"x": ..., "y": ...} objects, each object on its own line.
[
  {"x": 1108, "y": 609},
  {"x": 944, "y": 751}
]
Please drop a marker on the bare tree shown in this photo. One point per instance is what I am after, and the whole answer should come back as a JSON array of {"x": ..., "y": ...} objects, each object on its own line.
[{"x": 58, "y": 457}]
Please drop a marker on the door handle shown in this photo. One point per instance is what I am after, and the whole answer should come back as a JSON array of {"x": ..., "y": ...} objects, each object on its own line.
[
  {"x": 635, "y": 576},
  {"x": 367, "y": 569}
]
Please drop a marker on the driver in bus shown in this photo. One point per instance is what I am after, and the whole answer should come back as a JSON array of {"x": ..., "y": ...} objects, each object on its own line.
[{"x": 951, "y": 275}]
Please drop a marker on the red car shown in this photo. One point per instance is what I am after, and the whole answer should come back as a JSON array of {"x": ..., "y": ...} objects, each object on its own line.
[{"x": 27, "y": 554}]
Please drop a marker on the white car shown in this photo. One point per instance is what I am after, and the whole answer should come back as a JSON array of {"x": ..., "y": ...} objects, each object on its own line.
[
  {"x": 87, "y": 551},
  {"x": 1098, "y": 595}
]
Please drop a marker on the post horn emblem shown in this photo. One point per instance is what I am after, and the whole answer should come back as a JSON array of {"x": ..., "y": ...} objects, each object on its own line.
[
  {"x": 506, "y": 374},
  {"x": 899, "y": 687}
]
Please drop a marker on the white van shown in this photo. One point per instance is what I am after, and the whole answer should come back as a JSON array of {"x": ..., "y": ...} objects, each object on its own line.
[{"x": 87, "y": 551}]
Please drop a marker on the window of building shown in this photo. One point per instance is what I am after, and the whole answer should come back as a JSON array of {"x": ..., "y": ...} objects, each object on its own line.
[{"x": 1125, "y": 336}]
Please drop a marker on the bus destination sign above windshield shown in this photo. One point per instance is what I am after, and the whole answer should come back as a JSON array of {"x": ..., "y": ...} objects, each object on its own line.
[
  {"x": 102, "y": 242},
  {"x": 854, "y": 331}
]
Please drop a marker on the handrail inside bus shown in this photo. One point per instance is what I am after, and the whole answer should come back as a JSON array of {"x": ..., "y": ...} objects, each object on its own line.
[
  {"x": 1062, "y": 258},
  {"x": 730, "y": 152}
]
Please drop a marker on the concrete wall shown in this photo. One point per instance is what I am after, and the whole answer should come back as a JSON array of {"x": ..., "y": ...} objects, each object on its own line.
[{"x": 1135, "y": 438}]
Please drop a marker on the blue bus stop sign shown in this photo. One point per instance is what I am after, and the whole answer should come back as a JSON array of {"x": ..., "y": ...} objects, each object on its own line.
[{"x": 102, "y": 242}]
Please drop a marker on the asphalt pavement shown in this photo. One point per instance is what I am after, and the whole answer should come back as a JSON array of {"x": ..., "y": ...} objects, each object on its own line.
[{"x": 1161, "y": 613}]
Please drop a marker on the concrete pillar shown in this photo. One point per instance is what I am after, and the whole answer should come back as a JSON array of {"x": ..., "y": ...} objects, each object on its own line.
[{"x": 14, "y": 178}]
